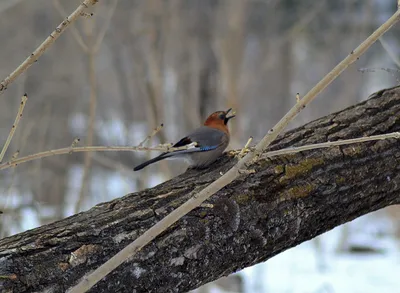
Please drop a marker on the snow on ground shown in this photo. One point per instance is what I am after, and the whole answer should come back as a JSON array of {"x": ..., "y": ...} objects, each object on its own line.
[{"x": 299, "y": 269}]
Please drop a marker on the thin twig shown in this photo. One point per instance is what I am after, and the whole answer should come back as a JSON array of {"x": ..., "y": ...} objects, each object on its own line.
[
  {"x": 48, "y": 42},
  {"x": 331, "y": 144},
  {"x": 17, "y": 118},
  {"x": 292, "y": 150},
  {"x": 245, "y": 148},
  {"x": 89, "y": 281},
  {"x": 153, "y": 133},
  {"x": 75, "y": 33},
  {"x": 69, "y": 150}
]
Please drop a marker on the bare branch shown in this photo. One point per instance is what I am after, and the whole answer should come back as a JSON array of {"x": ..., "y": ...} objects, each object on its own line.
[
  {"x": 48, "y": 42},
  {"x": 332, "y": 143},
  {"x": 166, "y": 148},
  {"x": 14, "y": 127},
  {"x": 70, "y": 150},
  {"x": 130, "y": 250},
  {"x": 75, "y": 33}
]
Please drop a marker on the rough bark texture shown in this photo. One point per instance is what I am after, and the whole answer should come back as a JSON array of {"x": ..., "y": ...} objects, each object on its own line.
[{"x": 287, "y": 201}]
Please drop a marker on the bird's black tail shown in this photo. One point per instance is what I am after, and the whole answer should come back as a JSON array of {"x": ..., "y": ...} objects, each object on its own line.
[{"x": 156, "y": 159}]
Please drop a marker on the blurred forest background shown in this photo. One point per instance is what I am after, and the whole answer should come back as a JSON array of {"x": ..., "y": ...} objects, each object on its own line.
[{"x": 112, "y": 78}]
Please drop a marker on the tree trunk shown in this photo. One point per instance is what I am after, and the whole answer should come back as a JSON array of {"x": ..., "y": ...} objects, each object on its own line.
[{"x": 288, "y": 200}]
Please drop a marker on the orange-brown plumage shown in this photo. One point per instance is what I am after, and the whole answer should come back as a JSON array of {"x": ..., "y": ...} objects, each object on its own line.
[{"x": 219, "y": 120}]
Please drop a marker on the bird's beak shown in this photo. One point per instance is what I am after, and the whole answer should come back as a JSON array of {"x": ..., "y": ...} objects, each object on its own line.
[{"x": 228, "y": 117}]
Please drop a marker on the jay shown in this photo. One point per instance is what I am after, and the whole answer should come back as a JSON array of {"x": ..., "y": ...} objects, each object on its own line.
[{"x": 211, "y": 140}]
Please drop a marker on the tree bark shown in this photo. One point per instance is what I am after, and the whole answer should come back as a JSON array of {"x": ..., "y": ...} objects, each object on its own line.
[{"x": 288, "y": 200}]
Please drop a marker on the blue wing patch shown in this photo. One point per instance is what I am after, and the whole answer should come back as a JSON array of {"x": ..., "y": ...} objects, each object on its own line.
[{"x": 208, "y": 148}]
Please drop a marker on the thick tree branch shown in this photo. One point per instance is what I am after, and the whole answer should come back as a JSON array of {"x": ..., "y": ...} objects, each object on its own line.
[{"x": 288, "y": 200}]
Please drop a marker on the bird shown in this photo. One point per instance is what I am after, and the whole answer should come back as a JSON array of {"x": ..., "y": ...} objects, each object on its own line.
[{"x": 211, "y": 140}]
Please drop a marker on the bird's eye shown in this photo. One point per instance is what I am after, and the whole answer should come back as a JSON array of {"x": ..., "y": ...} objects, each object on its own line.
[{"x": 221, "y": 116}]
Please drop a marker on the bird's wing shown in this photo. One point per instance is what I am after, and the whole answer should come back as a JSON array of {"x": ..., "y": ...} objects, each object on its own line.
[
  {"x": 184, "y": 141},
  {"x": 207, "y": 138}
]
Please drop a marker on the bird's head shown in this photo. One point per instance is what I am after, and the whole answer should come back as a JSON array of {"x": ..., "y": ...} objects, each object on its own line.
[{"x": 219, "y": 119}]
